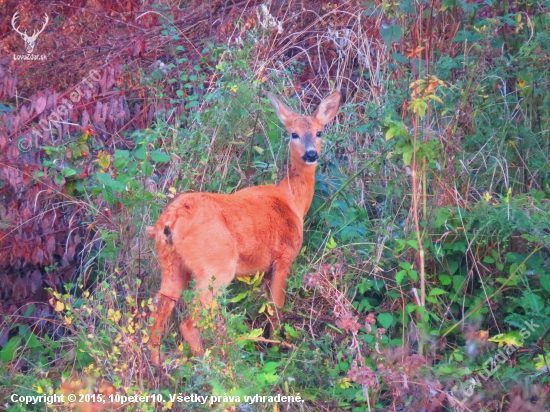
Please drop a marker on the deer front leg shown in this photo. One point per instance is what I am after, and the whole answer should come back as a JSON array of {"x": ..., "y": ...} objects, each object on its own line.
[
  {"x": 279, "y": 276},
  {"x": 279, "y": 281}
]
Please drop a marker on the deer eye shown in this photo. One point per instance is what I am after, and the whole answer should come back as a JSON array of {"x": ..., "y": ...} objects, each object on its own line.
[
  {"x": 295, "y": 136},
  {"x": 318, "y": 134}
]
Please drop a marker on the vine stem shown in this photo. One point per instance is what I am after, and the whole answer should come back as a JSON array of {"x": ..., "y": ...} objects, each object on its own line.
[{"x": 415, "y": 195}]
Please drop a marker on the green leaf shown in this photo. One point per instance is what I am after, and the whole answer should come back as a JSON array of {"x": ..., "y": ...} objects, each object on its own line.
[
  {"x": 488, "y": 259},
  {"x": 458, "y": 282},
  {"x": 399, "y": 276},
  {"x": 443, "y": 214},
  {"x": 398, "y": 57},
  {"x": 405, "y": 265},
  {"x": 407, "y": 6},
  {"x": 124, "y": 178},
  {"x": 419, "y": 106},
  {"x": 239, "y": 297},
  {"x": 104, "y": 178},
  {"x": 255, "y": 333},
  {"x": 257, "y": 279},
  {"x": 118, "y": 186},
  {"x": 437, "y": 291},
  {"x": 69, "y": 172},
  {"x": 545, "y": 282},
  {"x": 331, "y": 244},
  {"x": 33, "y": 343},
  {"x": 160, "y": 157},
  {"x": 434, "y": 97},
  {"x": 147, "y": 168},
  {"x": 108, "y": 195},
  {"x": 510, "y": 338},
  {"x": 392, "y": 33},
  {"x": 445, "y": 280},
  {"x": 453, "y": 266},
  {"x": 407, "y": 156},
  {"x": 5, "y": 109},
  {"x": 141, "y": 152},
  {"x": 291, "y": 331},
  {"x": 364, "y": 305},
  {"x": 410, "y": 307},
  {"x": 463, "y": 35},
  {"x": 29, "y": 310},
  {"x": 270, "y": 366},
  {"x": 8, "y": 352},
  {"x": 413, "y": 243},
  {"x": 385, "y": 319},
  {"x": 543, "y": 361}
]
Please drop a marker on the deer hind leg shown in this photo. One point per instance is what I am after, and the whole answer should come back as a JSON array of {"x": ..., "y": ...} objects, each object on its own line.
[
  {"x": 207, "y": 262},
  {"x": 175, "y": 278}
]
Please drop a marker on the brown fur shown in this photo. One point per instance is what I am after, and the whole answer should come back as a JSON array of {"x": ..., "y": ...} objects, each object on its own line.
[{"x": 257, "y": 229}]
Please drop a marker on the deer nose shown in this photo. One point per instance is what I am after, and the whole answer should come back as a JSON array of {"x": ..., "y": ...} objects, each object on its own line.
[{"x": 311, "y": 156}]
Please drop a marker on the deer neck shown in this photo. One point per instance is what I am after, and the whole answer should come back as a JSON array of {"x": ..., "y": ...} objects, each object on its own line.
[{"x": 299, "y": 185}]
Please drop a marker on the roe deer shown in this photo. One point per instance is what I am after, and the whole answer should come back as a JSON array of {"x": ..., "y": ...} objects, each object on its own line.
[{"x": 256, "y": 229}]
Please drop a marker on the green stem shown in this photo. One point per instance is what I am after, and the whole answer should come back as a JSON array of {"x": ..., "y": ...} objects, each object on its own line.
[{"x": 466, "y": 93}]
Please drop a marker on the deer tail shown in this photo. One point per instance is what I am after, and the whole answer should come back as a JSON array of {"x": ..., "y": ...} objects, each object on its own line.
[{"x": 152, "y": 233}]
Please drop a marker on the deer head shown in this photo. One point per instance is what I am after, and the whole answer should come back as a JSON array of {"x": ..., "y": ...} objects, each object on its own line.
[
  {"x": 306, "y": 130},
  {"x": 30, "y": 41}
]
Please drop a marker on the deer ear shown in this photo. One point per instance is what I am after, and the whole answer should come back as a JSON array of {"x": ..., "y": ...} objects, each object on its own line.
[
  {"x": 284, "y": 113},
  {"x": 328, "y": 108}
]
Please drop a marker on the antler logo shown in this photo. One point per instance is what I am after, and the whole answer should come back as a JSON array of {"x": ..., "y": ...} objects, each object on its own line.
[{"x": 30, "y": 41}]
